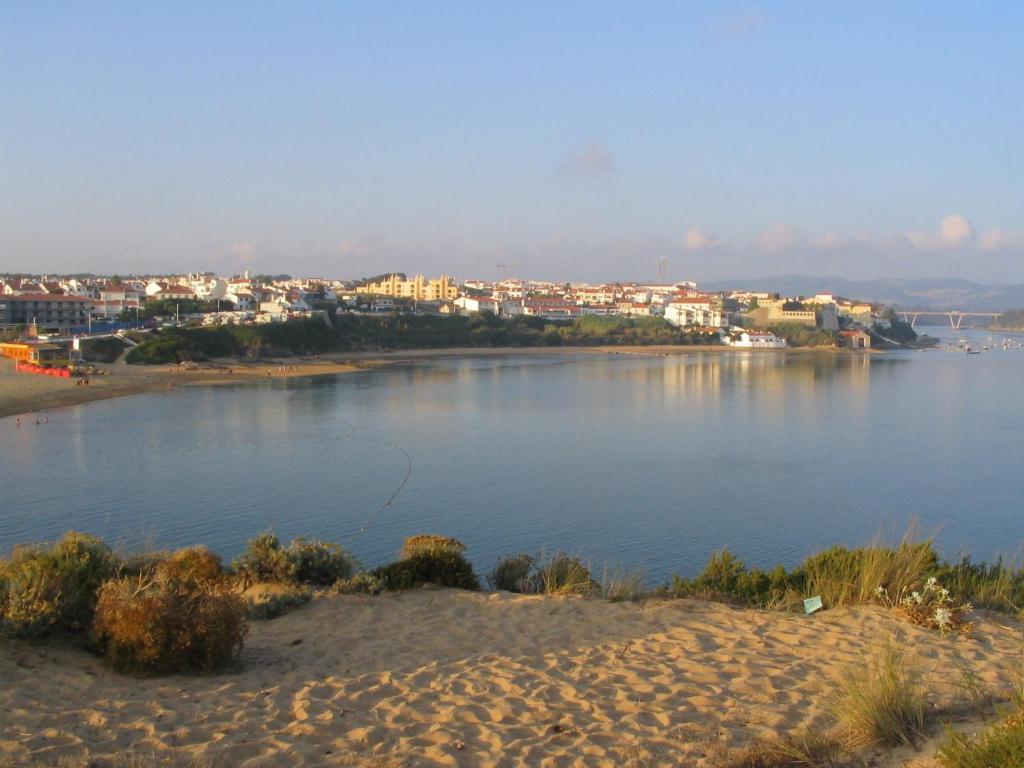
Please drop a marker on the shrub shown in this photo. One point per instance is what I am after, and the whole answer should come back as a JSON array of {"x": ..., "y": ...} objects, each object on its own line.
[
  {"x": 360, "y": 584},
  {"x": 512, "y": 574},
  {"x": 318, "y": 562},
  {"x": 265, "y": 559},
  {"x": 431, "y": 544},
  {"x": 931, "y": 606},
  {"x": 271, "y": 606},
  {"x": 850, "y": 577},
  {"x": 190, "y": 567},
  {"x": 304, "y": 561},
  {"x": 445, "y": 569},
  {"x": 807, "y": 750},
  {"x": 562, "y": 575},
  {"x": 882, "y": 701},
  {"x": 53, "y": 587},
  {"x": 1000, "y": 745},
  {"x": 151, "y": 626},
  {"x": 998, "y": 586}
]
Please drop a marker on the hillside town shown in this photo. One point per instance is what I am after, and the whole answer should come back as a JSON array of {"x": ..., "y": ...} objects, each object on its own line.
[{"x": 57, "y": 311}]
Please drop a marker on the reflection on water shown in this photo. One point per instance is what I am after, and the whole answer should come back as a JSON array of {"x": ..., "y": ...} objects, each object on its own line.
[{"x": 644, "y": 461}]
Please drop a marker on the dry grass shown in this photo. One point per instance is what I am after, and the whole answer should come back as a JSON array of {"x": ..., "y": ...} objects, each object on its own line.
[
  {"x": 618, "y": 584},
  {"x": 851, "y": 577},
  {"x": 882, "y": 702},
  {"x": 806, "y": 750},
  {"x": 563, "y": 575},
  {"x": 431, "y": 544}
]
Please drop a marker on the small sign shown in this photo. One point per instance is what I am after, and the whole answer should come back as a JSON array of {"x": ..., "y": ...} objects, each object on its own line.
[{"x": 812, "y": 604}]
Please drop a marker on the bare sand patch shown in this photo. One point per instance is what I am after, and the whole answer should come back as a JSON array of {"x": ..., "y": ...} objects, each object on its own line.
[{"x": 445, "y": 677}]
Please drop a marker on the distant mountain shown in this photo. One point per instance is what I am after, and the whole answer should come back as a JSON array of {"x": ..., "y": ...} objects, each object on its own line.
[{"x": 933, "y": 294}]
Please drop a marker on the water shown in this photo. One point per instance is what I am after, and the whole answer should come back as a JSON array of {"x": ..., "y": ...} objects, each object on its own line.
[{"x": 634, "y": 461}]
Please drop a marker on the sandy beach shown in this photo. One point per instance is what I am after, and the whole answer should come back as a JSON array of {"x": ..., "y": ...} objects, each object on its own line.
[
  {"x": 23, "y": 393},
  {"x": 442, "y": 677}
]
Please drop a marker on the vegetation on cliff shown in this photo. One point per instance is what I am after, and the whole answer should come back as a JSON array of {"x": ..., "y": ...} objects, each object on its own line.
[
  {"x": 1009, "y": 321},
  {"x": 352, "y": 333}
]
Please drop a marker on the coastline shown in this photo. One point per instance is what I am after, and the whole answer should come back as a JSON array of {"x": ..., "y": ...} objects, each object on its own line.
[{"x": 22, "y": 394}]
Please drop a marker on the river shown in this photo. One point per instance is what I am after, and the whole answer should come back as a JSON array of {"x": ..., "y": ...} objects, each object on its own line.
[{"x": 633, "y": 461}]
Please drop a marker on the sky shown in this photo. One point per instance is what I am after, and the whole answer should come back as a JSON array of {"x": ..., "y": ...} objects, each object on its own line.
[{"x": 566, "y": 140}]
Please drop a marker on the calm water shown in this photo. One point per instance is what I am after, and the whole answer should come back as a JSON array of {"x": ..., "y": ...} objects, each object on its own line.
[{"x": 636, "y": 461}]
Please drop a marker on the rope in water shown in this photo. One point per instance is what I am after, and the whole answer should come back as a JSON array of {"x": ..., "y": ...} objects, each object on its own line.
[{"x": 387, "y": 503}]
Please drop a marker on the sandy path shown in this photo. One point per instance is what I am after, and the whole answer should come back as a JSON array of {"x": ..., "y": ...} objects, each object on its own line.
[{"x": 442, "y": 677}]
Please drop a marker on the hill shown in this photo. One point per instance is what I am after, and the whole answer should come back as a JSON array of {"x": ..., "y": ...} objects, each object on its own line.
[{"x": 925, "y": 294}]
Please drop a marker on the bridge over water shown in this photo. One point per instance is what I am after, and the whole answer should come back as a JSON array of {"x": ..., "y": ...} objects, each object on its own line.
[{"x": 955, "y": 316}]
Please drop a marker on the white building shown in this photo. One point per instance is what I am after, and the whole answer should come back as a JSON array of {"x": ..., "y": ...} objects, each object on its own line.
[
  {"x": 694, "y": 310},
  {"x": 756, "y": 340},
  {"x": 477, "y": 304}
]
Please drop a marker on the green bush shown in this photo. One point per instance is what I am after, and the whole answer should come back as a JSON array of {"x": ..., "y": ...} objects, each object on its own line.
[
  {"x": 47, "y": 588},
  {"x": 319, "y": 562},
  {"x": 265, "y": 559},
  {"x": 360, "y": 584},
  {"x": 445, "y": 569},
  {"x": 512, "y": 574},
  {"x": 272, "y": 606},
  {"x": 152, "y": 626},
  {"x": 1000, "y": 745},
  {"x": 304, "y": 561}
]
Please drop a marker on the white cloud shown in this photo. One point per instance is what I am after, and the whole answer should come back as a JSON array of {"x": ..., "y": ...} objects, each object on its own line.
[
  {"x": 593, "y": 160},
  {"x": 698, "y": 239},
  {"x": 955, "y": 231},
  {"x": 999, "y": 240},
  {"x": 778, "y": 237}
]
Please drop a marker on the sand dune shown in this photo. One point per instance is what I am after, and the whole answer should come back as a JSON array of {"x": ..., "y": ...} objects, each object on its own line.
[{"x": 443, "y": 677}]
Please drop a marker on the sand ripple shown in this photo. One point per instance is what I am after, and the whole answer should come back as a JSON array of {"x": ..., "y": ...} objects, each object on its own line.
[{"x": 441, "y": 677}]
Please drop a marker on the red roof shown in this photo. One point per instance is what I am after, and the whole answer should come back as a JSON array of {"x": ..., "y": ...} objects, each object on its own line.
[{"x": 48, "y": 297}]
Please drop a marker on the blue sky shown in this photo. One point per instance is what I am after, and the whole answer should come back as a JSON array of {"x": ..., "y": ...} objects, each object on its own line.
[{"x": 582, "y": 140}]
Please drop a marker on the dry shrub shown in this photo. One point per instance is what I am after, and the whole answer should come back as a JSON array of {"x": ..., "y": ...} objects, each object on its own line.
[
  {"x": 431, "y": 544},
  {"x": 47, "y": 588},
  {"x": 882, "y": 701},
  {"x": 190, "y": 567},
  {"x": 158, "y": 625}
]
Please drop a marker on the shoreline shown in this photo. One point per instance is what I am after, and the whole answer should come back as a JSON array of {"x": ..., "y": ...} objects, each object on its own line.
[{"x": 25, "y": 394}]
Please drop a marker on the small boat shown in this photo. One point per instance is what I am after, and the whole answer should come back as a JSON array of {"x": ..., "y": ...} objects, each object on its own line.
[{"x": 973, "y": 351}]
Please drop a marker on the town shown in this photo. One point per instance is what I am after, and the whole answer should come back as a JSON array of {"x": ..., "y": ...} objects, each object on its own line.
[{"x": 44, "y": 318}]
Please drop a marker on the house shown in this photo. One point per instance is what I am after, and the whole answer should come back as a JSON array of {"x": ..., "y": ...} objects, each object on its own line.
[
  {"x": 854, "y": 339},
  {"x": 755, "y": 340},
  {"x": 694, "y": 310},
  {"x": 467, "y": 304}
]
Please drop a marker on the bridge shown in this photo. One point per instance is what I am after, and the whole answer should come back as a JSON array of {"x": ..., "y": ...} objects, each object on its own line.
[{"x": 955, "y": 316}]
